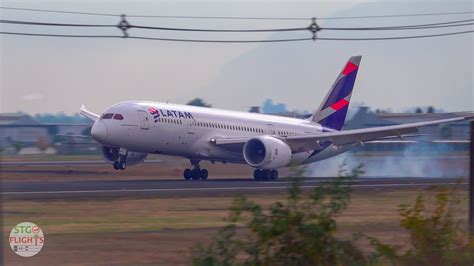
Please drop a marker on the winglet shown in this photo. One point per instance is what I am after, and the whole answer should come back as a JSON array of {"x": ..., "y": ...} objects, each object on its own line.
[{"x": 88, "y": 114}]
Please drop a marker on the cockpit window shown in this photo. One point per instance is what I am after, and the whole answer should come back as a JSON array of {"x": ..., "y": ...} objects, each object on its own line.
[
  {"x": 118, "y": 117},
  {"x": 107, "y": 116}
]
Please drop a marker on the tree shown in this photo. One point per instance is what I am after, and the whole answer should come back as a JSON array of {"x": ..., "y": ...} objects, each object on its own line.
[
  {"x": 42, "y": 143},
  {"x": 198, "y": 102},
  {"x": 418, "y": 110},
  {"x": 446, "y": 131},
  {"x": 430, "y": 110}
]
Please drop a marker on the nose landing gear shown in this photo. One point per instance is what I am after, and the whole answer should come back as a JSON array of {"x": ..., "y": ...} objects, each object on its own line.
[
  {"x": 121, "y": 162},
  {"x": 196, "y": 173},
  {"x": 265, "y": 175}
]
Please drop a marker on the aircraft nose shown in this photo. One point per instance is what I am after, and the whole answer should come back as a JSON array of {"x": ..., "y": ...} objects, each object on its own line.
[{"x": 99, "y": 131}]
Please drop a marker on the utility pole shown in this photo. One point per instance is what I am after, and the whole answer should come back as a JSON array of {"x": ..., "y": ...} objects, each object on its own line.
[{"x": 471, "y": 182}]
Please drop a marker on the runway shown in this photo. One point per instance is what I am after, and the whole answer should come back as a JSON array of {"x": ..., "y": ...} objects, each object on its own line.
[
  {"x": 182, "y": 188},
  {"x": 66, "y": 163}
]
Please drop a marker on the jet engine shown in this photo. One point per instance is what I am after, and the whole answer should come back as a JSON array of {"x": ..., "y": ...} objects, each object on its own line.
[
  {"x": 111, "y": 155},
  {"x": 266, "y": 152}
]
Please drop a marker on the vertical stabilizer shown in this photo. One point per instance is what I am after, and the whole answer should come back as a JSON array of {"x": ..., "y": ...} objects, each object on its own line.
[{"x": 333, "y": 110}]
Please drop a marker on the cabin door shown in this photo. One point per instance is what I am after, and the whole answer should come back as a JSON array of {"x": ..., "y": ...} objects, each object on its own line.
[
  {"x": 271, "y": 129},
  {"x": 144, "y": 123}
]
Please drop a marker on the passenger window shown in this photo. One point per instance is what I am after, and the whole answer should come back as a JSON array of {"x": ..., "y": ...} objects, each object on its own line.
[
  {"x": 107, "y": 116},
  {"x": 118, "y": 117}
]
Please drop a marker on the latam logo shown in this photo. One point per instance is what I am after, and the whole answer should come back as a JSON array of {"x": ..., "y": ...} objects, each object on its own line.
[{"x": 169, "y": 113}]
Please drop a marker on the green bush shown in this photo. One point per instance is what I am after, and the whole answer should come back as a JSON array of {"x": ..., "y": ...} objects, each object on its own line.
[
  {"x": 436, "y": 237},
  {"x": 300, "y": 231}
]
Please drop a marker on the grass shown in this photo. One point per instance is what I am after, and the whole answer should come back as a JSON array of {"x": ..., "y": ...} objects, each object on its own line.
[
  {"x": 90, "y": 216},
  {"x": 113, "y": 230},
  {"x": 50, "y": 157}
]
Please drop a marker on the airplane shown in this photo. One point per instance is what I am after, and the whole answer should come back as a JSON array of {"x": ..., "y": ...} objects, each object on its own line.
[{"x": 129, "y": 131}]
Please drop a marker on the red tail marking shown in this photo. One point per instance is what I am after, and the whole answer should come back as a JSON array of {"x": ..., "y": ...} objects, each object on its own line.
[
  {"x": 339, "y": 104},
  {"x": 350, "y": 67}
]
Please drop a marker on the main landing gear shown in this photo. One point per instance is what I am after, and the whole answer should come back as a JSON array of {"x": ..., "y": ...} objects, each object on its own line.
[
  {"x": 121, "y": 162},
  {"x": 265, "y": 175},
  {"x": 196, "y": 173}
]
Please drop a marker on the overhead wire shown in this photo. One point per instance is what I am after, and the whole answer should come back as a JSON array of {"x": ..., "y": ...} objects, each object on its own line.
[
  {"x": 34, "y": 23},
  {"x": 397, "y": 38},
  {"x": 456, "y": 23},
  {"x": 239, "y": 17},
  {"x": 59, "y": 11},
  {"x": 313, "y": 27},
  {"x": 153, "y": 38},
  {"x": 241, "y": 41}
]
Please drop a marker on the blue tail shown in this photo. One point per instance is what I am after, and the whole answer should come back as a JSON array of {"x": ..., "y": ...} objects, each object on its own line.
[{"x": 333, "y": 110}]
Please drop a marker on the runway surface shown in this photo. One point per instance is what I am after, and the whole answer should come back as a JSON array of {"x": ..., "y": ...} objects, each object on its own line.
[
  {"x": 183, "y": 188},
  {"x": 66, "y": 163}
]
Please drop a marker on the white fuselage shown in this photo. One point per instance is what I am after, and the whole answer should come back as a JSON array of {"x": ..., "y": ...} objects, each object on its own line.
[{"x": 188, "y": 131}]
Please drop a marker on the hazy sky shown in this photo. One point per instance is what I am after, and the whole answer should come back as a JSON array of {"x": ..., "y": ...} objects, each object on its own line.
[{"x": 40, "y": 74}]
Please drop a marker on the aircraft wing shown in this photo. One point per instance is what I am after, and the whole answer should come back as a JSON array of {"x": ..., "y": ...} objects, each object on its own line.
[
  {"x": 309, "y": 142},
  {"x": 74, "y": 136},
  {"x": 374, "y": 133}
]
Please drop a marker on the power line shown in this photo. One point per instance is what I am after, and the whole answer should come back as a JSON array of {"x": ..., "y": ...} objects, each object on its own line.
[
  {"x": 59, "y": 11},
  {"x": 396, "y": 38},
  {"x": 59, "y": 35},
  {"x": 157, "y": 39},
  {"x": 34, "y": 23},
  {"x": 241, "y": 41},
  {"x": 446, "y": 24},
  {"x": 400, "y": 15},
  {"x": 53, "y": 24},
  {"x": 240, "y": 17},
  {"x": 218, "y": 30},
  {"x": 455, "y": 23}
]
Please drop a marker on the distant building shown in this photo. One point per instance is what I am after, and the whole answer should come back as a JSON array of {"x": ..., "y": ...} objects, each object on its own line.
[
  {"x": 453, "y": 131},
  {"x": 270, "y": 108},
  {"x": 21, "y": 130},
  {"x": 254, "y": 109},
  {"x": 440, "y": 138}
]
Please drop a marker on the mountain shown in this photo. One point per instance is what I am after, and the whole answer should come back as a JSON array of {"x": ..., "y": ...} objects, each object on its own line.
[{"x": 394, "y": 74}]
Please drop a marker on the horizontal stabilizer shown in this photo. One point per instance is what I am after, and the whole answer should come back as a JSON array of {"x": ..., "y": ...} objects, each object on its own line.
[{"x": 89, "y": 114}]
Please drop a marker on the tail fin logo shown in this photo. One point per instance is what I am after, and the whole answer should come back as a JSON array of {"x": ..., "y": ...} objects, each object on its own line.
[
  {"x": 350, "y": 67},
  {"x": 340, "y": 104}
]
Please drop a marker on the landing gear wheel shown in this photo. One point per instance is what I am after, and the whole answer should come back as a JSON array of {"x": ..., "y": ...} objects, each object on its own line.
[
  {"x": 122, "y": 165},
  {"x": 203, "y": 173},
  {"x": 187, "y": 174},
  {"x": 116, "y": 165},
  {"x": 267, "y": 175},
  {"x": 258, "y": 174},
  {"x": 274, "y": 174},
  {"x": 195, "y": 174}
]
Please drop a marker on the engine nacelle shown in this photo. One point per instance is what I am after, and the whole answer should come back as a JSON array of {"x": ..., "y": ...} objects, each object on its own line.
[
  {"x": 112, "y": 154},
  {"x": 267, "y": 152}
]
